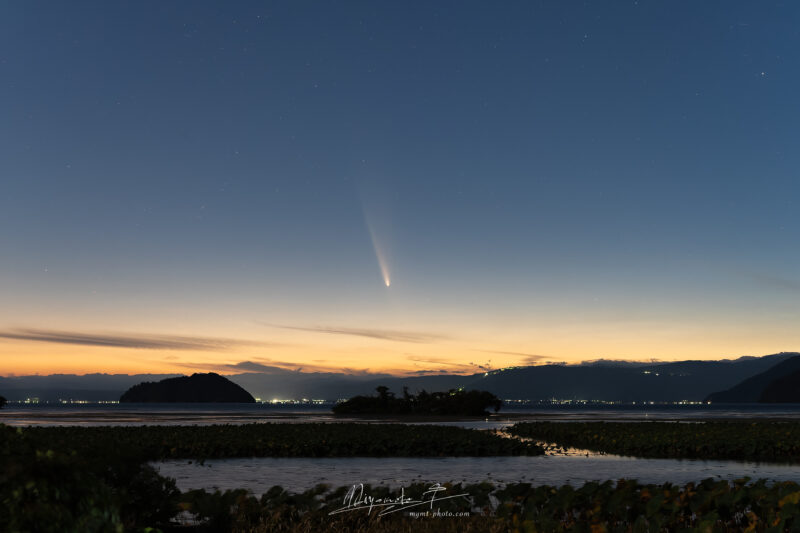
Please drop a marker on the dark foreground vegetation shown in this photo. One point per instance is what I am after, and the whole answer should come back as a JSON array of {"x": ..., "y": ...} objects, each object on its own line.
[
  {"x": 624, "y": 506},
  {"x": 48, "y": 491},
  {"x": 44, "y": 489},
  {"x": 753, "y": 441},
  {"x": 88, "y": 480},
  {"x": 150, "y": 443},
  {"x": 457, "y": 402},
  {"x": 85, "y": 479}
]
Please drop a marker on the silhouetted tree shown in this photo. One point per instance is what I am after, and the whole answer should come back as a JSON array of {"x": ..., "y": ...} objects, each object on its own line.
[
  {"x": 383, "y": 393},
  {"x": 2, "y": 402}
]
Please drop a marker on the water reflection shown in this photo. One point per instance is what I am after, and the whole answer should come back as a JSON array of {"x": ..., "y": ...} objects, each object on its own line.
[
  {"x": 204, "y": 414},
  {"x": 299, "y": 474}
]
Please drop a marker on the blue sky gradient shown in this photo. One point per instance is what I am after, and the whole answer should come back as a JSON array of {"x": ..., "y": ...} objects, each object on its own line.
[{"x": 552, "y": 177}]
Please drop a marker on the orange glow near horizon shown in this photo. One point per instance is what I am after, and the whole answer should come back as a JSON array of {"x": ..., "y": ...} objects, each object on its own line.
[{"x": 357, "y": 351}]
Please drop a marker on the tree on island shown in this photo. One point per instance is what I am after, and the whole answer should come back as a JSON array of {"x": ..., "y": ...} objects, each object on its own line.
[
  {"x": 2, "y": 401},
  {"x": 453, "y": 402}
]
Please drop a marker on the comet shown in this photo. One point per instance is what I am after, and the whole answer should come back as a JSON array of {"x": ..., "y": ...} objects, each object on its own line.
[
  {"x": 380, "y": 256},
  {"x": 375, "y": 214}
]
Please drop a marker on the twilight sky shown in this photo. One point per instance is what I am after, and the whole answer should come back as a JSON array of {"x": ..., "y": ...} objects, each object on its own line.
[{"x": 199, "y": 185}]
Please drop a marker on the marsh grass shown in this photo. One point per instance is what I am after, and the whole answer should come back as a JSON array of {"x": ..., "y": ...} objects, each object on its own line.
[
  {"x": 750, "y": 441},
  {"x": 276, "y": 440}
]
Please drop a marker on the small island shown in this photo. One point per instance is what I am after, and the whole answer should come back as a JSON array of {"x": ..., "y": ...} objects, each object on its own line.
[
  {"x": 456, "y": 402},
  {"x": 209, "y": 387}
]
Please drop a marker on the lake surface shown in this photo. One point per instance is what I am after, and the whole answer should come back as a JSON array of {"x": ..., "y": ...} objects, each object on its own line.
[
  {"x": 300, "y": 474},
  {"x": 203, "y": 414}
]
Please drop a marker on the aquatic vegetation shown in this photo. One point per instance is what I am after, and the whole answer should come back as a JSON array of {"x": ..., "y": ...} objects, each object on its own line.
[
  {"x": 611, "y": 506},
  {"x": 59, "y": 490},
  {"x": 277, "y": 440},
  {"x": 744, "y": 440},
  {"x": 103, "y": 486}
]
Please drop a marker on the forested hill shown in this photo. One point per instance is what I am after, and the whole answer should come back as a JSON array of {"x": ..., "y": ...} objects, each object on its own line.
[
  {"x": 776, "y": 384},
  {"x": 195, "y": 388}
]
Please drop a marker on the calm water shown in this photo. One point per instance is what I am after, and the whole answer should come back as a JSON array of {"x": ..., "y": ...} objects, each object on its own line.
[
  {"x": 299, "y": 474},
  {"x": 177, "y": 414}
]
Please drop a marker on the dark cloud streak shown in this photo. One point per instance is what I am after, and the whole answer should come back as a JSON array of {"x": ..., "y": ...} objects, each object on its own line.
[
  {"x": 527, "y": 356},
  {"x": 280, "y": 368},
  {"x": 243, "y": 366},
  {"x": 137, "y": 341},
  {"x": 386, "y": 335},
  {"x": 775, "y": 282},
  {"x": 439, "y": 361}
]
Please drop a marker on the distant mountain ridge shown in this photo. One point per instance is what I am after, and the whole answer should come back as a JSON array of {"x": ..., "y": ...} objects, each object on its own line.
[
  {"x": 678, "y": 381},
  {"x": 783, "y": 390},
  {"x": 89, "y": 387},
  {"x": 772, "y": 385},
  {"x": 595, "y": 380}
]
